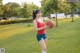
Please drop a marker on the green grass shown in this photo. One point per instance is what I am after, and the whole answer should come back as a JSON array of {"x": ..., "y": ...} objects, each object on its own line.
[{"x": 18, "y": 38}]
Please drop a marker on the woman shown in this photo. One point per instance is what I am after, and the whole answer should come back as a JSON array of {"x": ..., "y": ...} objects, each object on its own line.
[{"x": 40, "y": 27}]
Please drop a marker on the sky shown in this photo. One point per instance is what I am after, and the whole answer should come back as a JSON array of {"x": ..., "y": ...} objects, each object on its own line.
[{"x": 37, "y": 2}]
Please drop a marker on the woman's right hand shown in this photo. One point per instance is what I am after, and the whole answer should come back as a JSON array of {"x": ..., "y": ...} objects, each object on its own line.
[{"x": 46, "y": 26}]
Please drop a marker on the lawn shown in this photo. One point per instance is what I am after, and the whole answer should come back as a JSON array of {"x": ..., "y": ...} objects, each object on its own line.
[{"x": 18, "y": 38}]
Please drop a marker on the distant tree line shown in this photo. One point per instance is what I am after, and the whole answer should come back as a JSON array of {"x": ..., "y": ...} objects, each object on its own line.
[
  {"x": 13, "y": 9},
  {"x": 59, "y": 6}
]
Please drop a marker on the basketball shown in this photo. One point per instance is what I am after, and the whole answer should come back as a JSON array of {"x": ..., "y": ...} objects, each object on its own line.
[{"x": 50, "y": 23}]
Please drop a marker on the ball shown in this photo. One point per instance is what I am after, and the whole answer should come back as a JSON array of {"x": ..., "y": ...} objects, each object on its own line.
[{"x": 50, "y": 23}]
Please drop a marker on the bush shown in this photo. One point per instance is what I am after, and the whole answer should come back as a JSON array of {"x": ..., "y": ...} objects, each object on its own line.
[{"x": 14, "y": 21}]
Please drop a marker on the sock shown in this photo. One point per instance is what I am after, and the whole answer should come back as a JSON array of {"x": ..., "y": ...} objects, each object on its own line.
[{"x": 44, "y": 52}]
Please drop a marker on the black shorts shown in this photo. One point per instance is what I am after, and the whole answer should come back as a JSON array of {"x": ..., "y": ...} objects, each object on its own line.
[{"x": 41, "y": 36}]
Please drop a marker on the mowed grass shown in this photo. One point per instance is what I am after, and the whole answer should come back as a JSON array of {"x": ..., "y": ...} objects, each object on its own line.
[{"x": 18, "y": 38}]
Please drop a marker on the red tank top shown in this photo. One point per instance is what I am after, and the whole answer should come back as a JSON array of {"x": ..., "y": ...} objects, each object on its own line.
[{"x": 39, "y": 25}]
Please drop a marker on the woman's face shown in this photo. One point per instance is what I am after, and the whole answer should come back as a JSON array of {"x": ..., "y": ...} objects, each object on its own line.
[{"x": 39, "y": 14}]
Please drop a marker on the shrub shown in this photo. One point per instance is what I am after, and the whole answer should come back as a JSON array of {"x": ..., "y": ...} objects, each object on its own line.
[{"x": 14, "y": 21}]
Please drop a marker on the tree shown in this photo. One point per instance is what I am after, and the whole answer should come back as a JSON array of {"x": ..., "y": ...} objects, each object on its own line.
[
  {"x": 44, "y": 4},
  {"x": 64, "y": 7},
  {"x": 1, "y": 6},
  {"x": 78, "y": 8},
  {"x": 52, "y": 6},
  {"x": 11, "y": 9},
  {"x": 27, "y": 9},
  {"x": 73, "y": 9}
]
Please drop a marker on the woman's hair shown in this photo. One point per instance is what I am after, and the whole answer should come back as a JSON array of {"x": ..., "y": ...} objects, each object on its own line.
[{"x": 34, "y": 13}]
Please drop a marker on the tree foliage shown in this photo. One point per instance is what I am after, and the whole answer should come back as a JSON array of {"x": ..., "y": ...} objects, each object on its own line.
[
  {"x": 1, "y": 6},
  {"x": 61, "y": 6},
  {"x": 13, "y": 9}
]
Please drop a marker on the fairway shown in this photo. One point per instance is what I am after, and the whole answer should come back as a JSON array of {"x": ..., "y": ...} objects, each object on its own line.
[{"x": 18, "y": 38}]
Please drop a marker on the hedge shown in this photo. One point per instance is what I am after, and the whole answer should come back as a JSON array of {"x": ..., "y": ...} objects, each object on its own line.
[{"x": 14, "y": 21}]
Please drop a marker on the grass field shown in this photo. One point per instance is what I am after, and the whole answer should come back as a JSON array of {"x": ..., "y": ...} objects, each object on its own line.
[{"x": 18, "y": 38}]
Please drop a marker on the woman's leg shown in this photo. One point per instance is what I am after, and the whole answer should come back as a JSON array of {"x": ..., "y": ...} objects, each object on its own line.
[
  {"x": 43, "y": 46},
  {"x": 45, "y": 41}
]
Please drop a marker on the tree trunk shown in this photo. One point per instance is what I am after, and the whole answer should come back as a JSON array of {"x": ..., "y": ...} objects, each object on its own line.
[
  {"x": 28, "y": 22},
  {"x": 72, "y": 18},
  {"x": 66, "y": 16},
  {"x": 56, "y": 20}
]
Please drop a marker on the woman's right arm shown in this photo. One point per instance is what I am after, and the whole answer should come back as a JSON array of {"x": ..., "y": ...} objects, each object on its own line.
[{"x": 36, "y": 28}]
